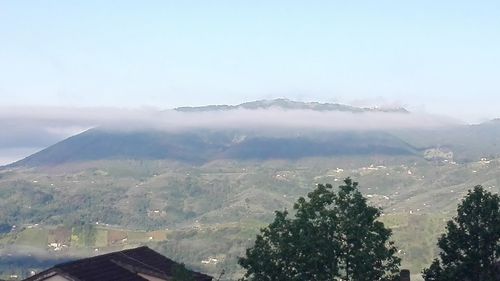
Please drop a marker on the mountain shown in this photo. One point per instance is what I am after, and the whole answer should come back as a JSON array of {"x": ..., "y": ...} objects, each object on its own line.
[
  {"x": 201, "y": 146},
  {"x": 198, "y": 145},
  {"x": 289, "y": 105}
]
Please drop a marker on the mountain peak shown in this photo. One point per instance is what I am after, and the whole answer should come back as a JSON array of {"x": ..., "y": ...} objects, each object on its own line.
[{"x": 288, "y": 104}]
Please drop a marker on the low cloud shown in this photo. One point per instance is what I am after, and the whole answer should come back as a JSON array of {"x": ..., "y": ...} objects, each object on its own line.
[
  {"x": 25, "y": 129},
  {"x": 379, "y": 102},
  {"x": 276, "y": 118}
]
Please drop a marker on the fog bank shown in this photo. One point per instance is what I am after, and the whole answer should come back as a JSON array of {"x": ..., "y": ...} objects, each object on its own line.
[{"x": 26, "y": 129}]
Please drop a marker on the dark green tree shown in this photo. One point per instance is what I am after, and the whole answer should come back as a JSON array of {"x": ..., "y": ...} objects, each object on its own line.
[
  {"x": 332, "y": 235},
  {"x": 181, "y": 273},
  {"x": 470, "y": 247}
]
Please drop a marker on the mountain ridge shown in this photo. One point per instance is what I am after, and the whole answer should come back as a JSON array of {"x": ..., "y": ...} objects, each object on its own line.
[{"x": 288, "y": 104}]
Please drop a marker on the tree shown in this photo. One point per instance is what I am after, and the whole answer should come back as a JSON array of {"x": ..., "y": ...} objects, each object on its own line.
[
  {"x": 332, "y": 235},
  {"x": 470, "y": 247},
  {"x": 181, "y": 273}
]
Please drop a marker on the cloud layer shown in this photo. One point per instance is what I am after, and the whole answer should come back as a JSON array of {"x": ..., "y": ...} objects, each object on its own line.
[{"x": 27, "y": 129}]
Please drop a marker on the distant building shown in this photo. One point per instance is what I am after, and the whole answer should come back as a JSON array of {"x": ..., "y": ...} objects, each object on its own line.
[
  {"x": 139, "y": 264},
  {"x": 438, "y": 154}
]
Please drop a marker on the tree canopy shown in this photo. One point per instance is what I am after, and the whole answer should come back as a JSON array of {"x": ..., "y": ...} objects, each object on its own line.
[
  {"x": 470, "y": 247},
  {"x": 332, "y": 235},
  {"x": 181, "y": 273}
]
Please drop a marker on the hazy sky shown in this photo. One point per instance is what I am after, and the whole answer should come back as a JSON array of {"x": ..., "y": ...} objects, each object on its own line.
[{"x": 435, "y": 56}]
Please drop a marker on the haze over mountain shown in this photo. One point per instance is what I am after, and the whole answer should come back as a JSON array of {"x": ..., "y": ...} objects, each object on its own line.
[
  {"x": 267, "y": 129},
  {"x": 272, "y": 125}
]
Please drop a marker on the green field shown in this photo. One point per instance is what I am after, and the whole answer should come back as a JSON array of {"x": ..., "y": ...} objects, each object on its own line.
[{"x": 36, "y": 237}]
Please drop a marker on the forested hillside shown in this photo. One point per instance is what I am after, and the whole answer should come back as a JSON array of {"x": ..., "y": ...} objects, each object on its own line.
[{"x": 205, "y": 215}]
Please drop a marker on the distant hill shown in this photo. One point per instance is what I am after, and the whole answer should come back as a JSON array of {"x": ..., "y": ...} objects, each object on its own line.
[
  {"x": 289, "y": 104},
  {"x": 468, "y": 142},
  {"x": 198, "y": 146},
  {"x": 202, "y": 146}
]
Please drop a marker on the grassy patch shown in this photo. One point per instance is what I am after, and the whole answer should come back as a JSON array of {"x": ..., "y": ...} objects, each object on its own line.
[
  {"x": 137, "y": 236},
  {"x": 101, "y": 238},
  {"x": 35, "y": 237}
]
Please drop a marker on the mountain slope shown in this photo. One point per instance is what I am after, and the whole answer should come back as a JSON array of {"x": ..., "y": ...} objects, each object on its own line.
[
  {"x": 98, "y": 144},
  {"x": 200, "y": 146},
  {"x": 467, "y": 142}
]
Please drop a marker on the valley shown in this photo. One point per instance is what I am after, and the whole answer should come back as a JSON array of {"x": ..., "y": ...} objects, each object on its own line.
[{"x": 206, "y": 215}]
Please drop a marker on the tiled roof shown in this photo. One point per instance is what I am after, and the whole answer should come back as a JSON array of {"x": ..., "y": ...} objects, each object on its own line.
[
  {"x": 123, "y": 266},
  {"x": 98, "y": 269},
  {"x": 148, "y": 258}
]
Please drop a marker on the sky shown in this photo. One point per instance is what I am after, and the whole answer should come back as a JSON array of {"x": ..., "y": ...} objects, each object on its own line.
[{"x": 441, "y": 57}]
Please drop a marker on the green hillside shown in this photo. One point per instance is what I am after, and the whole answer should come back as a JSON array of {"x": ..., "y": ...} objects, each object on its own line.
[
  {"x": 214, "y": 210},
  {"x": 203, "y": 146}
]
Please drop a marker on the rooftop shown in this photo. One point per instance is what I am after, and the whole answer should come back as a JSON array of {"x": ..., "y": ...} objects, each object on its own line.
[{"x": 137, "y": 264}]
